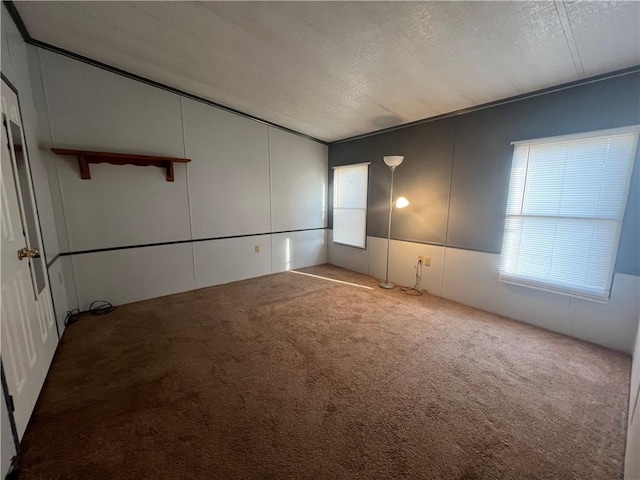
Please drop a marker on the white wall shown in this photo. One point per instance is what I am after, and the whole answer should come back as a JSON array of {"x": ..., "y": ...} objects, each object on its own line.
[
  {"x": 298, "y": 182},
  {"x": 229, "y": 172},
  {"x": 471, "y": 278},
  {"x": 252, "y": 201},
  {"x": 293, "y": 250},
  {"x": 59, "y": 290}
]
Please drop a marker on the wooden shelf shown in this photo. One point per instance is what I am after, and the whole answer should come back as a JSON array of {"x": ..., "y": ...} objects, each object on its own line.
[{"x": 86, "y": 157}]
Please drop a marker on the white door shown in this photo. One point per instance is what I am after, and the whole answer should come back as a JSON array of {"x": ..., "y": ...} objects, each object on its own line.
[{"x": 28, "y": 330}]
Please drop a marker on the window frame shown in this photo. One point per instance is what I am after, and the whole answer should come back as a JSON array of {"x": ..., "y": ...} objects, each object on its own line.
[
  {"x": 558, "y": 287},
  {"x": 366, "y": 209}
]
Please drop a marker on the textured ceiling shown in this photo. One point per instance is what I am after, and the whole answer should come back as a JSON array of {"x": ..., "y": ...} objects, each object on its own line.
[{"x": 338, "y": 69}]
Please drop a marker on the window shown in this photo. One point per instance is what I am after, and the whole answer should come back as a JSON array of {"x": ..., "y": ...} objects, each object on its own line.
[
  {"x": 564, "y": 212},
  {"x": 350, "y": 189}
]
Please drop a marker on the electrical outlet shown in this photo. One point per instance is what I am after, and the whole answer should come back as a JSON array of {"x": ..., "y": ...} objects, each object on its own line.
[
  {"x": 426, "y": 261},
  {"x": 256, "y": 249}
]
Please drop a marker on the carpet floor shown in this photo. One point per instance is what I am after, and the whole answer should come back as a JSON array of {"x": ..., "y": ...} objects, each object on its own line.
[{"x": 290, "y": 376}]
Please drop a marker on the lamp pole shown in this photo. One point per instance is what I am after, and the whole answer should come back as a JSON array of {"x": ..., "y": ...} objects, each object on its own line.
[
  {"x": 392, "y": 162},
  {"x": 386, "y": 278}
]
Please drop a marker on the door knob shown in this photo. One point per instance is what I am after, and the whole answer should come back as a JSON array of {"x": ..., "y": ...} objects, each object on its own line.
[{"x": 28, "y": 253}]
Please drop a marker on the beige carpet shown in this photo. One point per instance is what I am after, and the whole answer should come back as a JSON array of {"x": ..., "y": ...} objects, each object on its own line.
[{"x": 294, "y": 377}]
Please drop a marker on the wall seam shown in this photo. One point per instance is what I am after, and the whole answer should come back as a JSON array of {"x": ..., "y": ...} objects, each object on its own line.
[
  {"x": 453, "y": 157},
  {"x": 367, "y": 250},
  {"x": 270, "y": 195},
  {"x": 186, "y": 170},
  {"x": 567, "y": 30},
  {"x": 442, "y": 270},
  {"x": 573, "y": 317},
  {"x": 75, "y": 284}
]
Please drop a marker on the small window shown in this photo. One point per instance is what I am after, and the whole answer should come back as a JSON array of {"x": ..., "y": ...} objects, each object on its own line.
[
  {"x": 566, "y": 202},
  {"x": 350, "y": 190}
]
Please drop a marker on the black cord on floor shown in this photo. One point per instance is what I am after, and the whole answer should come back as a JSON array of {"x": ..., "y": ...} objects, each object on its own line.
[
  {"x": 415, "y": 290},
  {"x": 98, "y": 307}
]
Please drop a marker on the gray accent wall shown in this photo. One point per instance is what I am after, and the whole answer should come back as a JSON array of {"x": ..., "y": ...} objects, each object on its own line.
[{"x": 456, "y": 169}]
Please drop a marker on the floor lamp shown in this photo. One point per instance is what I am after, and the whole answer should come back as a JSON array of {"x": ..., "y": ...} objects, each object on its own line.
[{"x": 392, "y": 162}]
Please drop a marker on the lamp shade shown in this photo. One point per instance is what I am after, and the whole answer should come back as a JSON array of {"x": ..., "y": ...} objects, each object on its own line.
[
  {"x": 402, "y": 202},
  {"x": 393, "y": 160}
]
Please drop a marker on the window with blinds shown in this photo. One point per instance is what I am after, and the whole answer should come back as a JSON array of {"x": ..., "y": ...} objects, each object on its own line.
[
  {"x": 566, "y": 201},
  {"x": 350, "y": 190}
]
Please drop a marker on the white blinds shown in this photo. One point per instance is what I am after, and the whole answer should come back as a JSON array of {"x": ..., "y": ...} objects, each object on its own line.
[
  {"x": 350, "y": 189},
  {"x": 564, "y": 212}
]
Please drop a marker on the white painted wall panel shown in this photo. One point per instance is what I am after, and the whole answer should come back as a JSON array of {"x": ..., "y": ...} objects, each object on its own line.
[
  {"x": 14, "y": 57},
  {"x": 225, "y": 191},
  {"x": 231, "y": 259},
  {"x": 351, "y": 258},
  {"x": 472, "y": 278},
  {"x": 120, "y": 205},
  {"x": 69, "y": 280},
  {"x": 403, "y": 257},
  {"x": 59, "y": 293},
  {"x": 4, "y": 52},
  {"x": 44, "y": 205},
  {"x": 298, "y": 249},
  {"x": 57, "y": 210},
  {"x": 298, "y": 182},
  {"x": 93, "y": 109},
  {"x": 377, "y": 248},
  {"x": 229, "y": 172},
  {"x": 123, "y": 205},
  {"x": 613, "y": 324},
  {"x": 130, "y": 275}
]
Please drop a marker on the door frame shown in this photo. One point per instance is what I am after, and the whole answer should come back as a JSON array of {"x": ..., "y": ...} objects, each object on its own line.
[{"x": 5, "y": 389}]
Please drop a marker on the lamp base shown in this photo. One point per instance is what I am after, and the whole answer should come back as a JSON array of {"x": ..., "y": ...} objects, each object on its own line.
[{"x": 387, "y": 285}]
